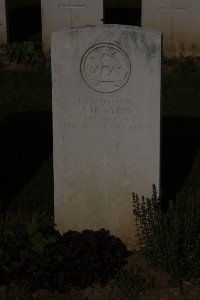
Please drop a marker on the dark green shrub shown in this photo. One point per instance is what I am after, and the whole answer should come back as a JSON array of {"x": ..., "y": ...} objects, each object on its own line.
[
  {"x": 26, "y": 53},
  {"x": 170, "y": 239},
  {"x": 131, "y": 283},
  {"x": 18, "y": 243},
  {"x": 187, "y": 64}
]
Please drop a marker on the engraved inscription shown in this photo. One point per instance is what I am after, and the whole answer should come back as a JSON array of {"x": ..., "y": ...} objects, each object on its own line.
[
  {"x": 105, "y": 68},
  {"x": 103, "y": 113}
]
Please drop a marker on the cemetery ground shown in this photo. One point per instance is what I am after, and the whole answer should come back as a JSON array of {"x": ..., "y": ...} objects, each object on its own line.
[{"x": 35, "y": 261}]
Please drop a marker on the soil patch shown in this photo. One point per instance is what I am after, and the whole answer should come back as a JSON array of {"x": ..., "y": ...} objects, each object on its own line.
[{"x": 85, "y": 266}]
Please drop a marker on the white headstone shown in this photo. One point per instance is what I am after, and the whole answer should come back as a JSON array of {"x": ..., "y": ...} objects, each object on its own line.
[
  {"x": 3, "y": 27},
  {"x": 179, "y": 20},
  {"x": 106, "y": 125},
  {"x": 63, "y": 13}
]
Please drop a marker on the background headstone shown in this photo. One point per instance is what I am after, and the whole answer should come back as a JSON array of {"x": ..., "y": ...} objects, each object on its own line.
[
  {"x": 61, "y": 13},
  {"x": 106, "y": 125},
  {"x": 3, "y": 27},
  {"x": 178, "y": 20}
]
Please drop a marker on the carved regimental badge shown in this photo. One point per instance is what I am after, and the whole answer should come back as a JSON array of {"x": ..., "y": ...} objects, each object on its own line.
[{"x": 105, "y": 68}]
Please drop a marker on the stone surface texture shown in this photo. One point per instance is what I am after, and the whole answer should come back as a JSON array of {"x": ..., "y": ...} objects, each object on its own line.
[
  {"x": 63, "y": 13},
  {"x": 106, "y": 125},
  {"x": 178, "y": 20},
  {"x": 3, "y": 27}
]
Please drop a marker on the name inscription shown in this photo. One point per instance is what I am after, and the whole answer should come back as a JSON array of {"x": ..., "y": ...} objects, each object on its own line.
[{"x": 106, "y": 113}]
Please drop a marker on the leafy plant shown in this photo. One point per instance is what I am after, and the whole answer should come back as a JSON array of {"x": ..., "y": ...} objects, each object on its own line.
[
  {"x": 36, "y": 239},
  {"x": 26, "y": 53},
  {"x": 18, "y": 243},
  {"x": 131, "y": 283},
  {"x": 170, "y": 239},
  {"x": 187, "y": 64}
]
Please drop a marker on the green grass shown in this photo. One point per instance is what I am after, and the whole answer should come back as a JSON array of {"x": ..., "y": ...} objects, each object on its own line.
[
  {"x": 29, "y": 91},
  {"x": 37, "y": 194},
  {"x": 25, "y": 90},
  {"x": 181, "y": 112},
  {"x": 181, "y": 90}
]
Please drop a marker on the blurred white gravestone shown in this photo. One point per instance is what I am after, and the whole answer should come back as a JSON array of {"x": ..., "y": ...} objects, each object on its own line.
[
  {"x": 63, "y": 13},
  {"x": 178, "y": 20},
  {"x": 106, "y": 125},
  {"x": 3, "y": 27}
]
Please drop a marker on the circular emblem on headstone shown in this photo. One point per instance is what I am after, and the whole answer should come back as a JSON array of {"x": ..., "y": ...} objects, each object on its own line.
[{"x": 105, "y": 68}]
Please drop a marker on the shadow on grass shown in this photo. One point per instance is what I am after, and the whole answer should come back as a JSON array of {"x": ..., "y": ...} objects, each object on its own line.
[
  {"x": 26, "y": 143},
  {"x": 24, "y": 22},
  {"x": 180, "y": 144}
]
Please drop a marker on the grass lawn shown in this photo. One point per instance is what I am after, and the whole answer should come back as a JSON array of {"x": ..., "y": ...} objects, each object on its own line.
[
  {"x": 180, "y": 128},
  {"x": 181, "y": 91},
  {"x": 25, "y": 128}
]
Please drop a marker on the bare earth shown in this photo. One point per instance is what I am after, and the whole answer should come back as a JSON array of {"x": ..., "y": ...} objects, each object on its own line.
[{"x": 160, "y": 289}]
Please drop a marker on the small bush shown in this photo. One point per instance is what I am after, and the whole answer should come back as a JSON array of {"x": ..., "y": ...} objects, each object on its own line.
[
  {"x": 26, "y": 53},
  {"x": 187, "y": 64},
  {"x": 131, "y": 283},
  {"x": 19, "y": 242},
  {"x": 170, "y": 239}
]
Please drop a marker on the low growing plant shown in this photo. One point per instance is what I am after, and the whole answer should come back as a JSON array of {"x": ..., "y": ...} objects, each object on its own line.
[
  {"x": 170, "y": 238},
  {"x": 131, "y": 283},
  {"x": 187, "y": 64},
  {"x": 18, "y": 243},
  {"x": 26, "y": 53}
]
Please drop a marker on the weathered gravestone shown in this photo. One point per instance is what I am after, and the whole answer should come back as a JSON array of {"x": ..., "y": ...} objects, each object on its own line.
[
  {"x": 179, "y": 20},
  {"x": 3, "y": 27},
  {"x": 61, "y": 13},
  {"x": 106, "y": 125}
]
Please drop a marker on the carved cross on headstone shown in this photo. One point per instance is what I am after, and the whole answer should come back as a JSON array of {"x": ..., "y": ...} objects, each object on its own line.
[
  {"x": 72, "y": 4},
  {"x": 172, "y": 6}
]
